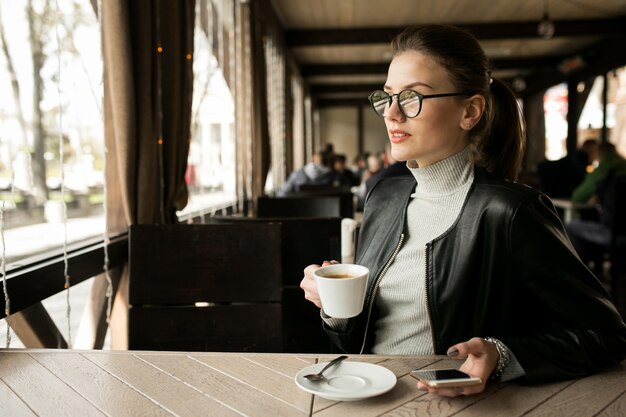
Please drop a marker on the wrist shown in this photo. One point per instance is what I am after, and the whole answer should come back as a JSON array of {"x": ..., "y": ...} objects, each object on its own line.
[{"x": 503, "y": 358}]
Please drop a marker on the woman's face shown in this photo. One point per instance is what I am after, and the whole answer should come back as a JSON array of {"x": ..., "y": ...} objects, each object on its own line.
[{"x": 440, "y": 130}]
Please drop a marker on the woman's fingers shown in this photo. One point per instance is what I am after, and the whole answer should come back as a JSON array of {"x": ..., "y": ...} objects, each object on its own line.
[
  {"x": 480, "y": 357},
  {"x": 308, "y": 283},
  {"x": 309, "y": 286}
]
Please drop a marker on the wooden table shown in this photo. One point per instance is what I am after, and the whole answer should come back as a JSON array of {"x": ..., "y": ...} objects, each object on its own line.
[{"x": 93, "y": 383}]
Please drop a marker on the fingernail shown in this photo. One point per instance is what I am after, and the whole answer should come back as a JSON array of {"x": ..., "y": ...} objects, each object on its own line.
[
  {"x": 452, "y": 352},
  {"x": 334, "y": 262}
]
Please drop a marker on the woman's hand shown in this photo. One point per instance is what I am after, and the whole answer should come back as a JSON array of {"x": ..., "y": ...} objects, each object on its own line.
[
  {"x": 308, "y": 283},
  {"x": 481, "y": 358}
]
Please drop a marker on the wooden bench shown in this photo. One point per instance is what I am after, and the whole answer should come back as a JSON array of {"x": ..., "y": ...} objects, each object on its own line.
[
  {"x": 206, "y": 287},
  {"x": 304, "y": 241},
  {"x": 346, "y": 196},
  {"x": 299, "y": 206}
]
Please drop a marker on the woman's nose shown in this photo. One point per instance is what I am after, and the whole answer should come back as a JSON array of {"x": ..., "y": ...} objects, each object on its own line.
[{"x": 393, "y": 111}]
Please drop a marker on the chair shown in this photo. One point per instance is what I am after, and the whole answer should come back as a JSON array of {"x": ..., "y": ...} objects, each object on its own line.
[
  {"x": 304, "y": 241},
  {"x": 346, "y": 196},
  {"x": 299, "y": 206},
  {"x": 205, "y": 287}
]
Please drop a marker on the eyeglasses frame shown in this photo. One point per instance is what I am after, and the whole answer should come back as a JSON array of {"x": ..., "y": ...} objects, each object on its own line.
[{"x": 421, "y": 97}]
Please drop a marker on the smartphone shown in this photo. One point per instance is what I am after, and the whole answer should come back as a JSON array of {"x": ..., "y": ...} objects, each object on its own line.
[{"x": 441, "y": 378}]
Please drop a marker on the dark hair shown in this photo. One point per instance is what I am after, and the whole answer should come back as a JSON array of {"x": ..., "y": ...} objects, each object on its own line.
[{"x": 499, "y": 136}]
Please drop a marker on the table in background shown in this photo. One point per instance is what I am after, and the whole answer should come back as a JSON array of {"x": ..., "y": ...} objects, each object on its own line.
[
  {"x": 572, "y": 210},
  {"x": 88, "y": 383}
]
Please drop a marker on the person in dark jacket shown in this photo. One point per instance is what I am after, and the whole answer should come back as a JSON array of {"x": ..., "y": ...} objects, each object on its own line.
[
  {"x": 310, "y": 174},
  {"x": 462, "y": 259}
]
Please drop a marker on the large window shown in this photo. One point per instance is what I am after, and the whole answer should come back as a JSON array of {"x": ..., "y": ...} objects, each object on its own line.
[
  {"x": 51, "y": 136},
  {"x": 211, "y": 175},
  {"x": 51, "y": 130},
  {"x": 592, "y": 118}
]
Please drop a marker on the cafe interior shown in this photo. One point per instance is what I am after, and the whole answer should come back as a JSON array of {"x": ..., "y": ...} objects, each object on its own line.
[{"x": 205, "y": 109}]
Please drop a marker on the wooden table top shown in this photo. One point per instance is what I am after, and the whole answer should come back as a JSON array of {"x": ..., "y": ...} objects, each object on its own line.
[{"x": 35, "y": 382}]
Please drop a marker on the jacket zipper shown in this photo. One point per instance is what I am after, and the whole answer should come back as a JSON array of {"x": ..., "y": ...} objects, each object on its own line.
[
  {"x": 430, "y": 320},
  {"x": 375, "y": 289}
]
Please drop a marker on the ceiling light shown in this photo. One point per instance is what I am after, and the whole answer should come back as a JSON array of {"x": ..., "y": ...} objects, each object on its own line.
[{"x": 546, "y": 26}]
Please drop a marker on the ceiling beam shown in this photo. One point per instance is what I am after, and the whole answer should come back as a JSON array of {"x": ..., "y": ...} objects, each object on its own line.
[
  {"x": 483, "y": 31},
  {"x": 344, "y": 69},
  {"x": 381, "y": 69},
  {"x": 342, "y": 102},
  {"x": 318, "y": 89}
]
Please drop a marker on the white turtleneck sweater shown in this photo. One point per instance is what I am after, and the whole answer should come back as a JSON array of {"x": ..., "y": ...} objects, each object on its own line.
[{"x": 403, "y": 326}]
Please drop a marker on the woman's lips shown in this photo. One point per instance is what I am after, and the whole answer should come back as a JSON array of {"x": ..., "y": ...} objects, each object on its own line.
[{"x": 397, "y": 136}]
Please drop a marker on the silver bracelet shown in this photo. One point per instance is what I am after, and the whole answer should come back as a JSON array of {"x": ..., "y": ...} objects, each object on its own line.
[{"x": 503, "y": 358}]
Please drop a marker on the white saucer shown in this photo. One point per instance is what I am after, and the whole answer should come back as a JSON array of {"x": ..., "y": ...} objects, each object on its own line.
[{"x": 348, "y": 381}]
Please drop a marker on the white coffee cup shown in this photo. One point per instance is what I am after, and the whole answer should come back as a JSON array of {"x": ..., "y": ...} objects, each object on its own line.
[{"x": 342, "y": 289}]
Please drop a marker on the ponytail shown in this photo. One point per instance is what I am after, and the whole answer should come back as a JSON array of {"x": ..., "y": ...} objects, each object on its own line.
[{"x": 503, "y": 140}]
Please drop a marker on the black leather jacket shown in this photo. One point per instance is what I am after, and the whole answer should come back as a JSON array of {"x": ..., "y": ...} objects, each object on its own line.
[{"x": 505, "y": 269}]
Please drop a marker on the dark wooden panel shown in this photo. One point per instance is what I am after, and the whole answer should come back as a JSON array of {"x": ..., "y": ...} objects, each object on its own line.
[
  {"x": 302, "y": 325},
  {"x": 305, "y": 241},
  {"x": 183, "y": 264},
  {"x": 346, "y": 197},
  {"x": 230, "y": 328},
  {"x": 326, "y": 206}
]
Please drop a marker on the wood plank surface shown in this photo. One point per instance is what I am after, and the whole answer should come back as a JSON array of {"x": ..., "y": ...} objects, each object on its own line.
[
  {"x": 512, "y": 399},
  {"x": 108, "y": 393},
  {"x": 587, "y": 396},
  {"x": 11, "y": 404},
  {"x": 41, "y": 382},
  {"x": 169, "y": 392},
  {"x": 44, "y": 393},
  {"x": 616, "y": 409},
  {"x": 224, "y": 379},
  {"x": 286, "y": 365}
]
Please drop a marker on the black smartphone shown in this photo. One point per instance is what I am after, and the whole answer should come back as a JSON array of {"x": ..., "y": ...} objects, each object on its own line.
[{"x": 441, "y": 378}]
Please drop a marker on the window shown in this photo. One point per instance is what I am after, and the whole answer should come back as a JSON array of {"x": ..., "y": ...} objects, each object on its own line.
[
  {"x": 51, "y": 103},
  {"x": 211, "y": 174}
]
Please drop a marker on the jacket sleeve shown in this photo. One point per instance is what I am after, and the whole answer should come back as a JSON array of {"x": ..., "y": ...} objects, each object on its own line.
[
  {"x": 348, "y": 339},
  {"x": 586, "y": 332}
]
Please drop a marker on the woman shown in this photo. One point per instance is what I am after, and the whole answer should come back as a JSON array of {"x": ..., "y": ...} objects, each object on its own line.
[{"x": 462, "y": 260}]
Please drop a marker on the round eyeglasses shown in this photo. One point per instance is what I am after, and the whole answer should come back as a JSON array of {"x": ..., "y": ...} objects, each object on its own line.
[{"x": 409, "y": 101}]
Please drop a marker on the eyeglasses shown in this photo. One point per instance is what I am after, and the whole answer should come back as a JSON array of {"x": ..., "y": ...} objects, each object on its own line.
[{"x": 409, "y": 101}]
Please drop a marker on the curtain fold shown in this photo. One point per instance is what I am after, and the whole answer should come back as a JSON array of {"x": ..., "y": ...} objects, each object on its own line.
[
  {"x": 261, "y": 151},
  {"x": 148, "y": 80}
]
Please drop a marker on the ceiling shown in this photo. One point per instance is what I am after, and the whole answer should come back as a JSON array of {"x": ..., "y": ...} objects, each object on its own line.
[{"x": 342, "y": 46}]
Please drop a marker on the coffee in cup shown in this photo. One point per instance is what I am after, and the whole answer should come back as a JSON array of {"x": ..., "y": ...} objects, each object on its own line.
[{"x": 342, "y": 289}]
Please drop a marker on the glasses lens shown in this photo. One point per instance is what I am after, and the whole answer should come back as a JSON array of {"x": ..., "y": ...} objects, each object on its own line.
[
  {"x": 380, "y": 101},
  {"x": 410, "y": 102}
]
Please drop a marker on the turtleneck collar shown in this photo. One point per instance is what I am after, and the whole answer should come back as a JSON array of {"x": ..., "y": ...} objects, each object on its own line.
[{"x": 444, "y": 177}]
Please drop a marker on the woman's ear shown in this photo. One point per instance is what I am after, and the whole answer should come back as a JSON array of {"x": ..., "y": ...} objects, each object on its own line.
[{"x": 474, "y": 109}]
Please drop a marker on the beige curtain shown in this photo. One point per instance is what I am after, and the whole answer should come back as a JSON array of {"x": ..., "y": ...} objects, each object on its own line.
[
  {"x": 261, "y": 152},
  {"x": 148, "y": 79}
]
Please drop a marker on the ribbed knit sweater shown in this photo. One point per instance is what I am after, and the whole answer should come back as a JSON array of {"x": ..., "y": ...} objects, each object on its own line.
[{"x": 403, "y": 325}]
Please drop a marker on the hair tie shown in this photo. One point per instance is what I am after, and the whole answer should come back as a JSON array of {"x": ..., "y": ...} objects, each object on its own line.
[{"x": 489, "y": 75}]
